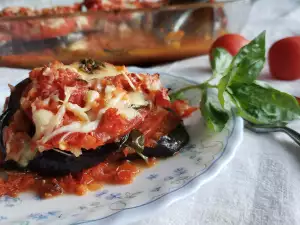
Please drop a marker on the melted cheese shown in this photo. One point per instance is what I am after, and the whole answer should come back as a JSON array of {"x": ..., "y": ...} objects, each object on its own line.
[
  {"x": 23, "y": 156},
  {"x": 123, "y": 107},
  {"x": 41, "y": 119},
  {"x": 27, "y": 155},
  {"x": 46, "y": 101},
  {"x": 110, "y": 103},
  {"x": 137, "y": 98},
  {"x": 108, "y": 71},
  {"x": 47, "y": 72},
  {"x": 74, "y": 127},
  {"x": 81, "y": 22},
  {"x": 154, "y": 85},
  {"x": 126, "y": 110},
  {"x": 138, "y": 76},
  {"x": 55, "y": 98},
  {"x": 56, "y": 119},
  {"x": 129, "y": 81},
  {"x": 78, "y": 111},
  {"x": 127, "y": 104},
  {"x": 109, "y": 89},
  {"x": 91, "y": 96}
]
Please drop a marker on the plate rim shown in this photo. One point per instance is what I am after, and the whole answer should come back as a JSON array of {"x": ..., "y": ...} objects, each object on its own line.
[{"x": 133, "y": 214}]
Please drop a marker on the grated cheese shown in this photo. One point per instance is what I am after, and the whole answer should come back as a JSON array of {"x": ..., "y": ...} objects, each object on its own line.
[
  {"x": 129, "y": 81},
  {"x": 108, "y": 71},
  {"x": 127, "y": 103},
  {"x": 41, "y": 119},
  {"x": 78, "y": 111},
  {"x": 73, "y": 127},
  {"x": 56, "y": 119}
]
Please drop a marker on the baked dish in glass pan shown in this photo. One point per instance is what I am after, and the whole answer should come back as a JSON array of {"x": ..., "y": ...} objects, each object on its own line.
[{"x": 134, "y": 33}]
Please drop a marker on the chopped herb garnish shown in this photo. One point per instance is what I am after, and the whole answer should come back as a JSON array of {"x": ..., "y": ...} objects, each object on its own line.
[
  {"x": 81, "y": 80},
  {"x": 135, "y": 140},
  {"x": 137, "y": 106},
  {"x": 89, "y": 65}
]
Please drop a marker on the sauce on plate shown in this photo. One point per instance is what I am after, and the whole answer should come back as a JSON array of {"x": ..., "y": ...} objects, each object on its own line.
[{"x": 89, "y": 180}]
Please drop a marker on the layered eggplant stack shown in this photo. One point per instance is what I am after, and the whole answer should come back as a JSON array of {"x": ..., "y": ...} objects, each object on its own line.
[{"x": 67, "y": 118}]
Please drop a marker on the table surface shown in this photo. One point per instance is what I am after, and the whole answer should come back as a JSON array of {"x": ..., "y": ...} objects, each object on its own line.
[{"x": 260, "y": 186}]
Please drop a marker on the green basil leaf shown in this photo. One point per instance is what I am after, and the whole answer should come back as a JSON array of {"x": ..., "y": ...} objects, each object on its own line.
[
  {"x": 176, "y": 96},
  {"x": 89, "y": 65},
  {"x": 263, "y": 104},
  {"x": 136, "y": 107},
  {"x": 222, "y": 86},
  {"x": 215, "y": 116},
  {"x": 123, "y": 141},
  {"x": 221, "y": 62},
  {"x": 135, "y": 139},
  {"x": 145, "y": 158},
  {"x": 248, "y": 63},
  {"x": 245, "y": 66}
]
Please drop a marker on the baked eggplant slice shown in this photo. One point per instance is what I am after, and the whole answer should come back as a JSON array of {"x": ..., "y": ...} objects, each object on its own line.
[
  {"x": 170, "y": 144},
  {"x": 4, "y": 120},
  {"x": 51, "y": 162},
  {"x": 12, "y": 106},
  {"x": 55, "y": 162},
  {"x": 14, "y": 99},
  {"x": 167, "y": 145}
]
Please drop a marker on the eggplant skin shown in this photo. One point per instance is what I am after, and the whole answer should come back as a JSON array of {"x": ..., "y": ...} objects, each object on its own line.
[
  {"x": 53, "y": 163},
  {"x": 167, "y": 146},
  {"x": 12, "y": 106},
  {"x": 16, "y": 94},
  {"x": 4, "y": 120},
  {"x": 170, "y": 144}
]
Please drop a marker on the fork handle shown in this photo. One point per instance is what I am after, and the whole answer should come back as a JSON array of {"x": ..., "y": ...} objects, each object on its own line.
[{"x": 292, "y": 133}]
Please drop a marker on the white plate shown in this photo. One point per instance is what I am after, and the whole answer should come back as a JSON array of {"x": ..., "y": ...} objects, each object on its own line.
[{"x": 152, "y": 190}]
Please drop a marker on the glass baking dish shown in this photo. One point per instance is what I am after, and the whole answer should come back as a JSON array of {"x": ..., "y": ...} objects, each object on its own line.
[{"x": 141, "y": 37}]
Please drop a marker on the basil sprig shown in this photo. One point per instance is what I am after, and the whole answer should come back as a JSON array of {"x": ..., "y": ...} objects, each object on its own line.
[
  {"x": 245, "y": 67},
  {"x": 238, "y": 88},
  {"x": 215, "y": 116},
  {"x": 264, "y": 105},
  {"x": 135, "y": 140}
]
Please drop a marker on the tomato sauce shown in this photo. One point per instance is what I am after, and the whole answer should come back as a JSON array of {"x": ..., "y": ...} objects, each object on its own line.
[
  {"x": 89, "y": 180},
  {"x": 153, "y": 122}
]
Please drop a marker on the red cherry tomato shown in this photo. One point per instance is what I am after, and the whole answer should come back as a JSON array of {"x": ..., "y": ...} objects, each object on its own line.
[
  {"x": 284, "y": 56},
  {"x": 231, "y": 42}
]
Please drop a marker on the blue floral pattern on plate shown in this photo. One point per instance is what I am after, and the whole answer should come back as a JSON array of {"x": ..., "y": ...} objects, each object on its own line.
[{"x": 153, "y": 189}]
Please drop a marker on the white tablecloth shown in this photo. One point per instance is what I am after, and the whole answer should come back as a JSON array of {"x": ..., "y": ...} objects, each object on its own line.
[{"x": 261, "y": 185}]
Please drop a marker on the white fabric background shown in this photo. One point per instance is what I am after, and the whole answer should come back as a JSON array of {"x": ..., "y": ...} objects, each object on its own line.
[{"x": 261, "y": 185}]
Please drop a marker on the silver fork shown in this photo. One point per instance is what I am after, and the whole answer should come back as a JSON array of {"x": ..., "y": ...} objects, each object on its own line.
[{"x": 257, "y": 128}]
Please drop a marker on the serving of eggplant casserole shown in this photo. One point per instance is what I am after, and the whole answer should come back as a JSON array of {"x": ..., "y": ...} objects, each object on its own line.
[{"x": 73, "y": 128}]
